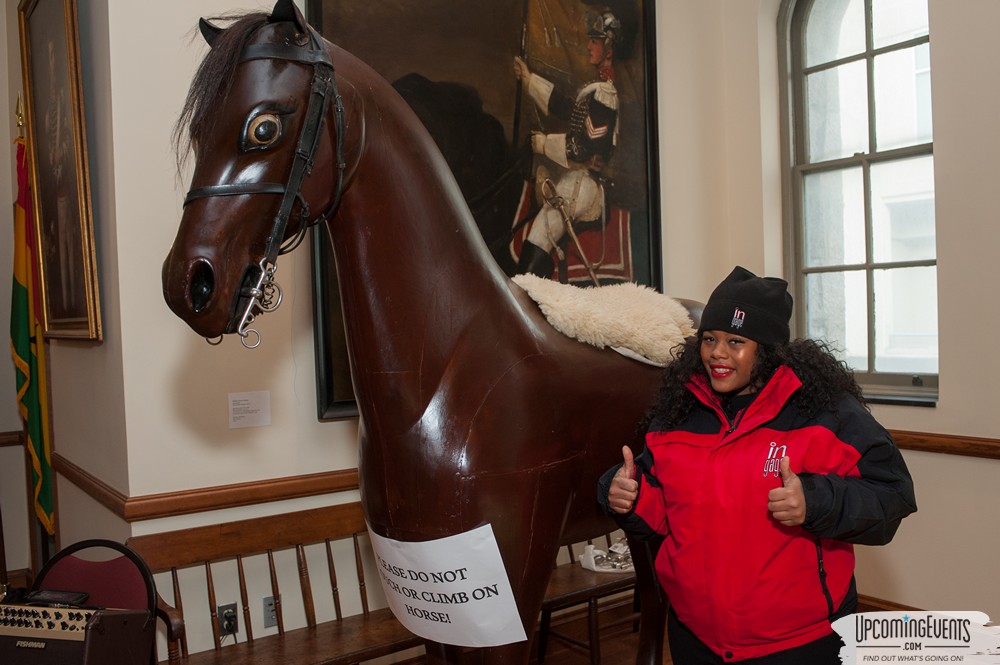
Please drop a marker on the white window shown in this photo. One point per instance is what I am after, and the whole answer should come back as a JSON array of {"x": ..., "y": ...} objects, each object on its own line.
[{"x": 862, "y": 253}]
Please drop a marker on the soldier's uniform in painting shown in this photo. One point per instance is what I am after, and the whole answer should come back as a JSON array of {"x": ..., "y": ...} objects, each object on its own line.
[{"x": 576, "y": 157}]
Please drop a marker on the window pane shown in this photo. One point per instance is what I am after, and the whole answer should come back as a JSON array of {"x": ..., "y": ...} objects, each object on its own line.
[
  {"x": 833, "y": 211},
  {"x": 836, "y": 313},
  {"x": 834, "y": 29},
  {"x": 906, "y": 338},
  {"x": 837, "y": 112},
  {"x": 903, "y": 226},
  {"x": 903, "y": 97},
  {"x": 895, "y": 21}
]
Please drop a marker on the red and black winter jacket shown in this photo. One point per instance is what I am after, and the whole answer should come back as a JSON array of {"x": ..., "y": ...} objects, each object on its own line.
[{"x": 746, "y": 585}]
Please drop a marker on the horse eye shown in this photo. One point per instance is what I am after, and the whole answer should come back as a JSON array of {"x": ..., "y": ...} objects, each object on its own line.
[{"x": 264, "y": 129}]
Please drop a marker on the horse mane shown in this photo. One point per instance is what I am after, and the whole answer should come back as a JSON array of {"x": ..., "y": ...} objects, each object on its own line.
[{"x": 213, "y": 80}]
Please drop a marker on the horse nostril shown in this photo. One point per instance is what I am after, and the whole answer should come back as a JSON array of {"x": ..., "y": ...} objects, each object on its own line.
[{"x": 202, "y": 285}]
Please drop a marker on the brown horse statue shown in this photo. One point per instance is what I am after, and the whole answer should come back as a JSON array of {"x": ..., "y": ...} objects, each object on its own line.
[{"x": 473, "y": 409}]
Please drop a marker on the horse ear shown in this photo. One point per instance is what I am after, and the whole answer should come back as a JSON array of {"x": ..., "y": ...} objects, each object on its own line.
[
  {"x": 285, "y": 10},
  {"x": 208, "y": 31}
]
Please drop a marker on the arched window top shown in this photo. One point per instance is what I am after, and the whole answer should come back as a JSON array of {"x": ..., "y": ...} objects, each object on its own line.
[
  {"x": 837, "y": 29},
  {"x": 834, "y": 29}
]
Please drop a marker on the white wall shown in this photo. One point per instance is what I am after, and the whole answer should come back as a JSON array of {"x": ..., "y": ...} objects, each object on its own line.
[
  {"x": 691, "y": 102},
  {"x": 146, "y": 410}
]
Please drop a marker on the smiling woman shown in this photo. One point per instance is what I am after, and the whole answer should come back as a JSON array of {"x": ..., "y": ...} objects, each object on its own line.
[
  {"x": 764, "y": 441},
  {"x": 729, "y": 361}
]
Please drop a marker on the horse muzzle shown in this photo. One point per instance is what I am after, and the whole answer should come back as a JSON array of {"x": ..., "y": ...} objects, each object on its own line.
[{"x": 191, "y": 291}]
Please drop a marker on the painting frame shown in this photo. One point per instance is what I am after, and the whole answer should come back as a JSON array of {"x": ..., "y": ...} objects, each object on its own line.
[
  {"x": 63, "y": 214},
  {"x": 334, "y": 391},
  {"x": 335, "y": 399}
]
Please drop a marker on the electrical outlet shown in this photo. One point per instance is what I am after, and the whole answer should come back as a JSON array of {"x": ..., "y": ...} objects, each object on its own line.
[
  {"x": 228, "y": 621},
  {"x": 270, "y": 613}
]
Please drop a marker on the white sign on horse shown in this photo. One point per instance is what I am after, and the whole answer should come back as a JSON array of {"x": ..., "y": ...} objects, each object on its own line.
[{"x": 452, "y": 590}]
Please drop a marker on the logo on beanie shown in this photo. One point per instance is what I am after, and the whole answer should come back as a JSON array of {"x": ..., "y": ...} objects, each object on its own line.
[{"x": 738, "y": 316}]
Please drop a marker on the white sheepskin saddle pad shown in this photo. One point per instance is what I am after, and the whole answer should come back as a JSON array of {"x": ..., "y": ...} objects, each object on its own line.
[{"x": 634, "y": 320}]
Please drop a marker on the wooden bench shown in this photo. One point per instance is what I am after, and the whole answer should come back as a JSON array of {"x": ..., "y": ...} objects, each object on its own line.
[{"x": 341, "y": 640}]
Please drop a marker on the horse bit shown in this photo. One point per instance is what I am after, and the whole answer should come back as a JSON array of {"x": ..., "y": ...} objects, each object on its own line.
[{"x": 263, "y": 291}]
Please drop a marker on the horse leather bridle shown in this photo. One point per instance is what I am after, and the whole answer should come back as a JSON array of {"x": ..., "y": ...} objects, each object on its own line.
[{"x": 259, "y": 286}]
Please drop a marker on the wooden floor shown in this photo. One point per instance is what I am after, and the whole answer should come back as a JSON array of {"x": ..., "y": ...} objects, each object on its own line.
[
  {"x": 618, "y": 646},
  {"x": 619, "y": 643}
]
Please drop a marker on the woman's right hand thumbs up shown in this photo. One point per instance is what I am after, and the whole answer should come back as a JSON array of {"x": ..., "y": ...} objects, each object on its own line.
[{"x": 624, "y": 488}]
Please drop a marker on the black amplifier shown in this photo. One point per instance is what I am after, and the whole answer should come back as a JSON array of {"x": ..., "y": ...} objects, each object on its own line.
[{"x": 46, "y": 635}]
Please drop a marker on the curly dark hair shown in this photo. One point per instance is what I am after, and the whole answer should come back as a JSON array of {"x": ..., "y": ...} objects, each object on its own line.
[{"x": 824, "y": 379}]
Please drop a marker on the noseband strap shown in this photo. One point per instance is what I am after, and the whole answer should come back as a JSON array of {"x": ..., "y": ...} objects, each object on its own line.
[{"x": 235, "y": 189}]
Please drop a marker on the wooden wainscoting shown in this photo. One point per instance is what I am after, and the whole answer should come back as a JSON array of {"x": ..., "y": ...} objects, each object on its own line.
[
  {"x": 11, "y": 438},
  {"x": 949, "y": 444},
  {"x": 871, "y": 604},
  {"x": 202, "y": 499}
]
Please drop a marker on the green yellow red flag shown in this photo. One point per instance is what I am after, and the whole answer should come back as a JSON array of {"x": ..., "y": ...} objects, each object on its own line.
[{"x": 27, "y": 345}]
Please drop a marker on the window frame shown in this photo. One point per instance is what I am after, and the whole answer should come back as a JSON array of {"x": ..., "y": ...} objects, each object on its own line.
[{"x": 878, "y": 387}]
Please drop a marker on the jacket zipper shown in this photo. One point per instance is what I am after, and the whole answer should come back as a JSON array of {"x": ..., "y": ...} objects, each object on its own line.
[
  {"x": 736, "y": 421},
  {"x": 822, "y": 578}
]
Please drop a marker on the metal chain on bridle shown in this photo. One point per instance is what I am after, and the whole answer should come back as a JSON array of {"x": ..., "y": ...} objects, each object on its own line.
[{"x": 259, "y": 286}]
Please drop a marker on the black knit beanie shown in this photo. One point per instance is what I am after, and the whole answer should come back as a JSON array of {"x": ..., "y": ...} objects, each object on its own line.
[{"x": 758, "y": 308}]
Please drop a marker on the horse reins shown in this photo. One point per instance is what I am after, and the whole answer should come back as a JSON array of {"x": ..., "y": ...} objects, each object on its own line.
[{"x": 262, "y": 290}]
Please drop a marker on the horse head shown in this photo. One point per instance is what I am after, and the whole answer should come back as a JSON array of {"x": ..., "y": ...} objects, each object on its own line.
[{"x": 257, "y": 120}]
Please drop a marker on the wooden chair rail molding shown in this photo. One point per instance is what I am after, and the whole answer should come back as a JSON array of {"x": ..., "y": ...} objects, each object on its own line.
[
  {"x": 15, "y": 438},
  {"x": 184, "y": 502},
  {"x": 949, "y": 444},
  {"x": 872, "y": 604},
  {"x": 154, "y": 506}
]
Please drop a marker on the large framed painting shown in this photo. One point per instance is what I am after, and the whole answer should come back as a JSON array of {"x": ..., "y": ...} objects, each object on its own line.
[
  {"x": 50, "y": 60},
  {"x": 546, "y": 112}
]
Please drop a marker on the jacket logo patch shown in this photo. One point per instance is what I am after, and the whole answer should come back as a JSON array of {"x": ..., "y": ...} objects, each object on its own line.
[{"x": 772, "y": 465}]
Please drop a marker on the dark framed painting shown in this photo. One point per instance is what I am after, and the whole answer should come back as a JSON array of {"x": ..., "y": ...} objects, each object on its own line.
[
  {"x": 50, "y": 61},
  {"x": 546, "y": 112}
]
